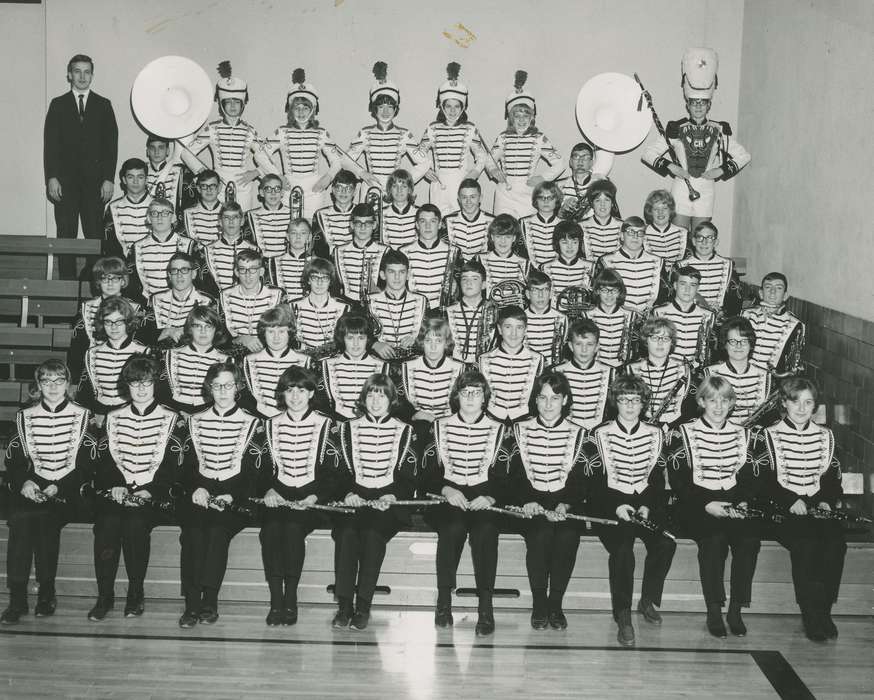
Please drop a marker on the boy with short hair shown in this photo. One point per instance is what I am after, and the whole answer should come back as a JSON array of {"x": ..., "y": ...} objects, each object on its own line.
[
  {"x": 124, "y": 220},
  {"x": 693, "y": 323},
  {"x": 202, "y": 218},
  {"x": 399, "y": 311},
  {"x": 779, "y": 333},
  {"x": 590, "y": 379},
  {"x": 467, "y": 228},
  {"x": 269, "y": 222},
  {"x": 428, "y": 255}
]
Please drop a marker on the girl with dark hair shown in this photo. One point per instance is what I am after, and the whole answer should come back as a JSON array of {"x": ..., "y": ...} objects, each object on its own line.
[
  {"x": 301, "y": 467},
  {"x": 615, "y": 322},
  {"x": 568, "y": 267},
  {"x": 537, "y": 228},
  {"x": 547, "y": 467},
  {"x": 138, "y": 457},
  {"x": 46, "y": 462},
  {"x": 317, "y": 312},
  {"x": 379, "y": 466},
  {"x": 601, "y": 230},
  {"x": 220, "y": 463},
  {"x": 399, "y": 213}
]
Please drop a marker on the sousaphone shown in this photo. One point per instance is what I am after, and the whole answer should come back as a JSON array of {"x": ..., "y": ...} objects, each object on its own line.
[
  {"x": 612, "y": 113},
  {"x": 172, "y": 97}
]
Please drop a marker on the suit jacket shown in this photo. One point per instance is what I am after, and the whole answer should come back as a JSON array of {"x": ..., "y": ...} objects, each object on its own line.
[{"x": 86, "y": 150}]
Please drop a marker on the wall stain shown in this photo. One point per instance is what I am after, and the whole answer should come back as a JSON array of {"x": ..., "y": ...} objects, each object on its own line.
[{"x": 460, "y": 35}]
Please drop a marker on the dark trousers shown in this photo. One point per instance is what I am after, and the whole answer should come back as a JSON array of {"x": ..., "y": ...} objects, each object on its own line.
[
  {"x": 551, "y": 553},
  {"x": 817, "y": 549},
  {"x": 715, "y": 537},
  {"x": 120, "y": 529},
  {"x": 619, "y": 543},
  {"x": 454, "y": 526},
  {"x": 360, "y": 541},
  {"x": 206, "y": 537},
  {"x": 34, "y": 535},
  {"x": 283, "y": 544},
  {"x": 80, "y": 201}
]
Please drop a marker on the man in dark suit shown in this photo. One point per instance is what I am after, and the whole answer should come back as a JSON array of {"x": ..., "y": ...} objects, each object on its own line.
[{"x": 80, "y": 153}]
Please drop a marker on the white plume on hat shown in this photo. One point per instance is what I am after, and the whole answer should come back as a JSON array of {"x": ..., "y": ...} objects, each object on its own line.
[{"x": 699, "y": 79}]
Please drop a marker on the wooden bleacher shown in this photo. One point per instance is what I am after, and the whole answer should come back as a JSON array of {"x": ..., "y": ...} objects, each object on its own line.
[{"x": 34, "y": 256}]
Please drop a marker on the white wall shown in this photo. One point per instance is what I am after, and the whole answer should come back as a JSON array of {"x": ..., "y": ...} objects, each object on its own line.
[
  {"x": 807, "y": 108},
  {"x": 561, "y": 44}
]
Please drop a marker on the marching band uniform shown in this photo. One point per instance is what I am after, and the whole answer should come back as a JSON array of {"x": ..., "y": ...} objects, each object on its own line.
[
  {"x": 548, "y": 468},
  {"x": 427, "y": 388},
  {"x": 50, "y": 446},
  {"x": 240, "y": 312},
  {"x": 299, "y": 148},
  {"x": 202, "y": 223},
  {"x": 167, "y": 311},
  {"x": 139, "y": 451},
  {"x": 519, "y": 154},
  {"x": 378, "y": 459},
  {"x": 537, "y": 234},
  {"x": 234, "y": 146},
  {"x": 167, "y": 181},
  {"x": 614, "y": 329},
  {"x": 719, "y": 282},
  {"x": 662, "y": 380},
  {"x": 589, "y": 387},
  {"x": 124, "y": 223},
  {"x": 511, "y": 377},
  {"x": 184, "y": 369},
  {"x": 269, "y": 226},
  {"x": 399, "y": 317},
  {"x": 642, "y": 276},
  {"x": 699, "y": 147},
  {"x": 399, "y": 225},
  {"x": 301, "y": 460},
  {"x": 342, "y": 379},
  {"x": 544, "y": 330},
  {"x": 779, "y": 338},
  {"x": 473, "y": 458},
  {"x": 98, "y": 389},
  {"x": 572, "y": 273},
  {"x": 262, "y": 371},
  {"x": 83, "y": 334},
  {"x": 428, "y": 269},
  {"x": 707, "y": 464},
  {"x": 600, "y": 237},
  {"x": 751, "y": 387},
  {"x": 803, "y": 467},
  {"x": 219, "y": 258},
  {"x": 222, "y": 454},
  {"x": 502, "y": 269},
  {"x": 470, "y": 237},
  {"x": 447, "y": 146},
  {"x": 670, "y": 244},
  {"x": 693, "y": 330},
  {"x": 314, "y": 325},
  {"x": 333, "y": 225},
  {"x": 628, "y": 468},
  {"x": 465, "y": 322},
  {"x": 286, "y": 271},
  {"x": 147, "y": 261},
  {"x": 349, "y": 259}
]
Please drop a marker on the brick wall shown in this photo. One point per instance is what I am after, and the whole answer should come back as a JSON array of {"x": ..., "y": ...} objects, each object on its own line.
[{"x": 840, "y": 357}]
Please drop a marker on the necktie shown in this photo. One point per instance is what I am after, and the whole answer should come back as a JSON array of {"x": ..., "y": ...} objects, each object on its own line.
[{"x": 81, "y": 108}]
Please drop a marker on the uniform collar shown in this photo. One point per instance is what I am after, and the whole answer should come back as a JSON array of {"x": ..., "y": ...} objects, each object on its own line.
[
  {"x": 148, "y": 410},
  {"x": 376, "y": 421},
  {"x": 439, "y": 364},
  {"x": 792, "y": 426},
  {"x": 679, "y": 308},
  {"x": 57, "y": 409},
  {"x": 300, "y": 418},
  {"x": 233, "y": 409},
  {"x": 628, "y": 431}
]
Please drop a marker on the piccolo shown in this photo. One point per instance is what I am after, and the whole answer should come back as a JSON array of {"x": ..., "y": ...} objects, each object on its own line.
[
  {"x": 223, "y": 505},
  {"x": 648, "y": 524},
  {"x": 492, "y": 509},
  {"x": 298, "y": 505}
]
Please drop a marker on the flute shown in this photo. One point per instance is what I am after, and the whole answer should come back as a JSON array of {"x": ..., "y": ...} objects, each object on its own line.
[
  {"x": 376, "y": 503},
  {"x": 223, "y": 506},
  {"x": 568, "y": 516},
  {"x": 493, "y": 509},
  {"x": 298, "y": 505}
]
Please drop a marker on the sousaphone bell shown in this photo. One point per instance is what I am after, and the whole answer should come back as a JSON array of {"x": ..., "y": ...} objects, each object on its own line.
[
  {"x": 172, "y": 97},
  {"x": 611, "y": 112}
]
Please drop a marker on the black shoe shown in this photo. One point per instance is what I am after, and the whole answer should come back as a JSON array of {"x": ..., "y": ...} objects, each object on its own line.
[
  {"x": 274, "y": 617},
  {"x": 811, "y": 623},
  {"x": 735, "y": 622},
  {"x": 485, "y": 624},
  {"x": 45, "y": 607},
  {"x": 188, "y": 620},
  {"x": 539, "y": 619},
  {"x": 13, "y": 614},
  {"x": 625, "y": 633},
  {"x": 100, "y": 609},
  {"x": 646, "y": 608},
  {"x": 557, "y": 620},
  {"x": 208, "y": 615},
  {"x": 134, "y": 606},
  {"x": 715, "y": 625},
  {"x": 828, "y": 625},
  {"x": 341, "y": 619},
  {"x": 289, "y": 616},
  {"x": 443, "y": 616},
  {"x": 359, "y": 621}
]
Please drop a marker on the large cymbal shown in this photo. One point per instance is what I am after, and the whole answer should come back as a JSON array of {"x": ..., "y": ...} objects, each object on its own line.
[
  {"x": 611, "y": 113},
  {"x": 172, "y": 97}
]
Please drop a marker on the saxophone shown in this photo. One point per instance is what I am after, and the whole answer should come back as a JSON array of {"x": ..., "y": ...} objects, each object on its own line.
[
  {"x": 374, "y": 199},
  {"x": 295, "y": 201},
  {"x": 558, "y": 340},
  {"x": 671, "y": 395},
  {"x": 452, "y": 272},
  {"x": 485, "y": 329},
  {"x": 703, "y": 344}
]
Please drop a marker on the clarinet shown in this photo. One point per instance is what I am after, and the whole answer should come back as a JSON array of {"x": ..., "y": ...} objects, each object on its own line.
[
  {"x": 651, "y": 526},
  {"x": 226, "y": 507},
  {"x": 139, "y": 501},
  {"x": 843, "y": 516}
]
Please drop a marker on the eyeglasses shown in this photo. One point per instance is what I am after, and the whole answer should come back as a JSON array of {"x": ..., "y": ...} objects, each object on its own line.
[
  {"x": 201, "y": 326},
  {"x": 344, "y": 188},
  {"x": 660, "y": 338},
  {"x": 635, "y": 232},
  {"x": 114, "y": 324},
  {"x": 737, "y": 343},
  {"x": 272, "y": 190},
  {"x": 629, "y": 401},
  {"x": 144, "y": 384},
  {"x": 704, "y": 237},
  {"x": 231, "y": 217},
  {"x": 248, "y": 270},
  {"x": 179, "y": 271},
  {"x": 320, "y": 278},
  {"x": 545, "y": 197},
  {"x": 208, "y": 187},
  {"x": 363, "y": 224},
  {"x": 215, "y": 386},
  {"x": 57, "y": 381},
  {"x": 698, "y": 102},
  {"x": 163, "y": 214},
  {"x": 608, "y": 290},
  {"x": 109, "y": 279},
  {"x": 471, "y": 393}
]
